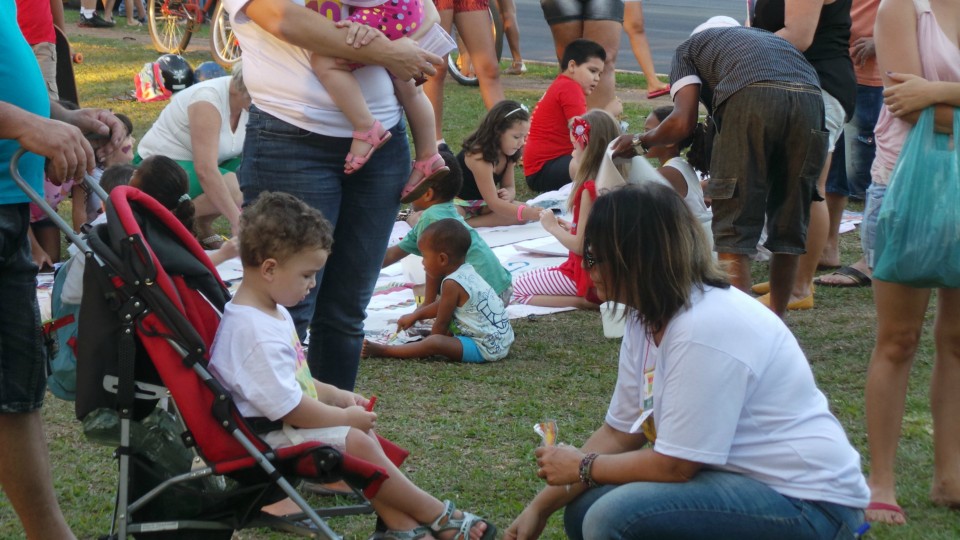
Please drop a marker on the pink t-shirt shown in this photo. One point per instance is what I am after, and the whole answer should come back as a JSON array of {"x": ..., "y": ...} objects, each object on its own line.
[
  {"x": 940, "y": 59},
  {"x": 863, "y": 15}
]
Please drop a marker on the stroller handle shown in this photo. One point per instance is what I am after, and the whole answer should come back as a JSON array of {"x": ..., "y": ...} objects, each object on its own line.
[{"x": 38, "y": 200}]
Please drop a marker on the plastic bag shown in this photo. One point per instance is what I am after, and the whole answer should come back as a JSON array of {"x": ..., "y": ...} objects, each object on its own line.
[{"x": 918, "y": 227}]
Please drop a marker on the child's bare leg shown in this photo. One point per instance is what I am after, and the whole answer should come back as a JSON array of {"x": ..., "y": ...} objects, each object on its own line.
[
  {"x": 345, "y": 92},
  {"x": 432, "y": 346},
  {"x": 577, "y": 302},
  {"x": 491, "y": 219},
  {"x": 399, "y": 502},
  {"x": 420, "y": 114}
]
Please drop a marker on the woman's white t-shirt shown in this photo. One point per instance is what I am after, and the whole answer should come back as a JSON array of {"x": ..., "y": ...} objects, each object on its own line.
[
  {"x": 733, "y": 390},
  {"x": 170, "y": 134},
  {"x": 281, "y": 82}
]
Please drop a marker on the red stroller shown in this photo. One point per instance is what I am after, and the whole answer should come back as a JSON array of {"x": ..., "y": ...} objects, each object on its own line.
[{"x": 151, "y": 305}]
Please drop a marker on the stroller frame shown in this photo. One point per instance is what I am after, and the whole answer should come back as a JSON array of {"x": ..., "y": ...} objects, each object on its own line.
[{"x": 157, "y": 309}]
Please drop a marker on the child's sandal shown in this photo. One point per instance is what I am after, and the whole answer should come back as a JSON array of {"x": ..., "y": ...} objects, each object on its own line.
[
  {"x": 429, "y": 172},
  {"x": 412, "y": 534},
  {"x": 376, "y": 137},
  {"x": 446, "y": 522}
]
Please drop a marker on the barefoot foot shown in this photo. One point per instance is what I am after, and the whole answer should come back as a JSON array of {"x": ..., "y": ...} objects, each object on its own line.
[{"x": 371, "y": 349}]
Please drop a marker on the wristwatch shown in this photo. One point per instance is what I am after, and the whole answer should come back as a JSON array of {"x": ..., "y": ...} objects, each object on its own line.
[{"x": 639, "y": 146}]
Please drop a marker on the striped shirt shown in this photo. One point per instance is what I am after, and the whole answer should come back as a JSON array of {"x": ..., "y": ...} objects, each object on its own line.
[{"x": 725, "y": 60}]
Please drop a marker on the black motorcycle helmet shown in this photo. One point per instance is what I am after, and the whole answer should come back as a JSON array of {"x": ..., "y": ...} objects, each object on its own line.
[{"x": 176, "y": 71}]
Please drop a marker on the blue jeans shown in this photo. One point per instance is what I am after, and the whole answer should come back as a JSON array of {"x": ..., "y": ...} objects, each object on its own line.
[
  {"x": 362, "y": 207},
  {"x": 713, "y": 505},
  {"x": 858, "y": 146},
  {"x": 23, "y": 369},
  {"x": 871, "y": 211}
]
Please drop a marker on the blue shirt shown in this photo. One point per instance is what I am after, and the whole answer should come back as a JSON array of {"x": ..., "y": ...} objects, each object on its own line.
[{"x": 21, "y": 84}]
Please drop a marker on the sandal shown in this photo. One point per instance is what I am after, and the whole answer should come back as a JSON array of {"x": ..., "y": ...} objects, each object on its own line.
[
  {"x": 516, "y": 68},
  {"x": 376, "y": 137},
  {"x": 212, "y": 242},
  {"x": 429, "y": 171},
  {"x": 412, "y": 534},
  {"x": 446, "y": 522}
]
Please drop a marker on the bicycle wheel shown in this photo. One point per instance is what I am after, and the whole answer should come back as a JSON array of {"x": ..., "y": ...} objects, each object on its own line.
[
  {"x": 459, "y": 65},
  {"x": 171, "y": 25},
  {"x": 223, "y": 43}
]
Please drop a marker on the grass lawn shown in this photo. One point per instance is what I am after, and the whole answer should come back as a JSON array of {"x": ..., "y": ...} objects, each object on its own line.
[{"x": 470, "y": 426}]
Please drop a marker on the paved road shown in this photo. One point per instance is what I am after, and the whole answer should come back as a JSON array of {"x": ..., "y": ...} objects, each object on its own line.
[{"x": 667, "y": 24}]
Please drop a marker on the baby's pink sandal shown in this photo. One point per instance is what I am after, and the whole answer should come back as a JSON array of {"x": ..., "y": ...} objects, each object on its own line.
[
  {"x": 429, "y": 170},
  {"x": 376, "y": 137}
]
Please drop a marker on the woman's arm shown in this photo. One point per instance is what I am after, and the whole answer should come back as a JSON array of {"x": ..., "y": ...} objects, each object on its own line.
[
  {"x": 532, "y": 520},
  {"x": 910, "y": 95},
  {"x": 312, "y": 31},
  {"x": 800, "y": 20},
  {"x": 898, "y": 53},
  {"x": 205, "y": 121}
]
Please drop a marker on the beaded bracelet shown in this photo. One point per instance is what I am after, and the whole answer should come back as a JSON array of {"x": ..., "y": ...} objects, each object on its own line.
[{"x": 586, "y": 464}]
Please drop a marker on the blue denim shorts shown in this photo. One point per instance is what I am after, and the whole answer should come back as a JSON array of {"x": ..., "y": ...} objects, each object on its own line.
[
  {"x": 767, "y": 155},
  {"x": 471, "y": 353},
  {"x": 871, "y": 211},
  {"x": 23, "y": 369}
]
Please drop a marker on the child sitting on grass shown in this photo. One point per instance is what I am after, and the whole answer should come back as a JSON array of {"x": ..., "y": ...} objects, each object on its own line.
[
  {"x": 256, "y": 355},
  {"x": 436, "y": 204},
  {"x": 471, "y": 323}
]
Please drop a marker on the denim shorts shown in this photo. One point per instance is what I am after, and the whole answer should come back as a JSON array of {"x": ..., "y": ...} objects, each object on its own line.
[
  {"x": 561, "y": 11},
  {"x": 871, "y": 211},
  {"x": 767, "y": 155},
  {"x": 23, "y": 370},
  {"x": 714, "y": 504},
  {"x": 858, "y": 146}
]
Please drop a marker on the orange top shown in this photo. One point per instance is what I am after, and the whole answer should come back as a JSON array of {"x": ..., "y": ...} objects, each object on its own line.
[{"x": 863, "y": 14}]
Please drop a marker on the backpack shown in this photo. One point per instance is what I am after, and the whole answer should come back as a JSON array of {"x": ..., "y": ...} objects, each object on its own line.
[{"x": 60, "y": 335}]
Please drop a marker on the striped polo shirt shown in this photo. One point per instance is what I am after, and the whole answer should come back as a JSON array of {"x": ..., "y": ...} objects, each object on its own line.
[{"x": 726, "y": 60}]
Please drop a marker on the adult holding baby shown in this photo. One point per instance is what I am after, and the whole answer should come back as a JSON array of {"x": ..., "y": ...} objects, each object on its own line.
[
  {"x": 296, "y": 142},
  {"x": 203, "y": 130},
  {"x": 742, "y": 443}
]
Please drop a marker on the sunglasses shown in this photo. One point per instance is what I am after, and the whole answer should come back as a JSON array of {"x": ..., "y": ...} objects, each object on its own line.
[{"x": 522, "y": 107}]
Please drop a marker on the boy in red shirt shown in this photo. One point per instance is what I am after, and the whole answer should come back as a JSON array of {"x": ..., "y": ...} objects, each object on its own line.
[{"x": 546, "y": 156}]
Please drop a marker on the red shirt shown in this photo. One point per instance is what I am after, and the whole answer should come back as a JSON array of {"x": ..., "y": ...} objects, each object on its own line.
[
  {"x": 549, "y": 136},
  {"x": 36, "y": 21},
  {"x": 573, "y": 266}
]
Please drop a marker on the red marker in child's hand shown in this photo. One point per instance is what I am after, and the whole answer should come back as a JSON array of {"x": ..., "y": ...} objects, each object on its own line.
[{"x": 371, "y": 402}]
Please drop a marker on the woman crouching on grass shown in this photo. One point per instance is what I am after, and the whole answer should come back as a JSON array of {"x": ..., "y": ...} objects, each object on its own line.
[{"x": 742, "y": 443}]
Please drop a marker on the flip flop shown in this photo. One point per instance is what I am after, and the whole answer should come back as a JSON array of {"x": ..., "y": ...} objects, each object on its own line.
[
  {"x": 857, "y": 278},
  {"x": 658, "y": 93},
  {"x": 887, "y": 507},
  {"x": 824, "y": 267}
]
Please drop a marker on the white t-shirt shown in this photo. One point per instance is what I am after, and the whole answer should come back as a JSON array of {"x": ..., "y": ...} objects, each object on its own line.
[
  {"x": 170, "y": 134},
  {"x": 72, "y": 291},
  {"x": 733, "y": 390},
  {"x": 694, "y": 198},
  {"x": 259, "y": 360},
  {"x": 282, "y": 84}
]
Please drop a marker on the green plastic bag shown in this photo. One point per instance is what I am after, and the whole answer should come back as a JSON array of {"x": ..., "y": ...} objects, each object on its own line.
[{"x": 918, "y": 228}]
